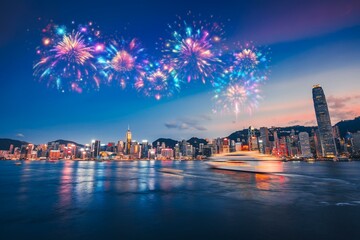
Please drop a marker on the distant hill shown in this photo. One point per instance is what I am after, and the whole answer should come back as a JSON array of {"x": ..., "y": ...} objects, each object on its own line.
[
  {"x": 168, "y": 142},
  {"x": 241, "y": 135},
  {"x": 6, "y": 142},
  {"x": 349, "y": 126},
  {"x": 285, "y": 131},
  {"x": 194, "y": 141},
  {"x": 66, "y": 142}
]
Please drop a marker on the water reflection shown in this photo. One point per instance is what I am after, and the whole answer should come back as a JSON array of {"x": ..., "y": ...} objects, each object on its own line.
[{"x": 65, "y": 192}]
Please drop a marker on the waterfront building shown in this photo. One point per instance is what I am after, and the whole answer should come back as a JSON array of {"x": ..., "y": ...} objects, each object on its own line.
[
  {"x": 225, "y": 146},
  {"x": 11, "y": 149},
  {"x": 152, "y": 153},
  {"x": 128, "y": 140},
  {"x": 144, "y": 148},
  {"x": 95, "y": 148},
  {"x": 252, "y": 139},
  {"x": 304, "y": 142},
  {"x": 264, "y": 139},
  {"x": 201, "y": 148},
  {"x": 356, "y": 142},
  {"x": 167, "y": 153},
  {"x": 120, "y": 147},
  {"x": 328, "y": 148}
]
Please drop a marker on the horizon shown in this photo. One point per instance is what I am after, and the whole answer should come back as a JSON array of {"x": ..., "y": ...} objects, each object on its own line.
[
  {"x": 302, "y": 55},
  {"x": 164, "y": 137}
]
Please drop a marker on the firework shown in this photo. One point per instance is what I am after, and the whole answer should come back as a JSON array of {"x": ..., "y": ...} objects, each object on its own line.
[
  {"x": 67, "y": 59},
  {"x": 191, "y": 50},
  {"x": 158, "y": 82},
  {"x": 249, "y": 60},
  {"x": 237, "y": 96},
  {"x": 124, "y": 61}
]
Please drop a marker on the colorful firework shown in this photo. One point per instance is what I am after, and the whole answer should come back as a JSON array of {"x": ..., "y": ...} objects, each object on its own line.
[
  {"x": 124, "y": 61},
  {"x": 249, "y": 60},
  {"x": 191, "y": 50},
  {"x": 67, "y": 59},
  {"x": 158, "y": 82},
  {"x": 237, "y": 96}
]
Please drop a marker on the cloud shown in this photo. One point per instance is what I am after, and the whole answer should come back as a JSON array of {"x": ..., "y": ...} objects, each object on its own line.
[
  {"x": 310, "y": 123},
  {"x": 200, "y": 128},
  {"x": 337, "y": 102},
  {"x": 205, "y": 117},
  {"x": 294, "y": 122},
  {"x": 186, "y": 124},
  {"x": 171, "y": 125},
  {"x": 343, "y": 115},
  {"x": 20, "y": 135}
]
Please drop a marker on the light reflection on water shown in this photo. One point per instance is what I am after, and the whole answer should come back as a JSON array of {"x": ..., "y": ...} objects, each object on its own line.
[{"x": 111, "y": 195}]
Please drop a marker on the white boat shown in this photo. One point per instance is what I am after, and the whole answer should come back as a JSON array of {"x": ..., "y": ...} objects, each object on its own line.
[{"x": 247, "y": 161}]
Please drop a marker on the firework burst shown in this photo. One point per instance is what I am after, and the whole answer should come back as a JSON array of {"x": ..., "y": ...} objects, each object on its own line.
[
  {"x": 249, "y": 60},
  {"x": 237, "y": 96},
  {"x": 124, "y": 61},
  {"x": 159, "y": 81},
  {"x": 191, "y": 50},
  {"x": 67, "y": 59},
  {"x": 73, "y": 49}
]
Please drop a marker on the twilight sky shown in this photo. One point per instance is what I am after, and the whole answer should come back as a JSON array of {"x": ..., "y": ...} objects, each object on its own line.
[{"x": 312, "y": 42}]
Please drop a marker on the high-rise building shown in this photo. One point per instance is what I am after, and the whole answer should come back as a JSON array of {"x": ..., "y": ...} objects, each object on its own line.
[
  {"x": 128, "y": 140},
  {"x": 356, "y": 142},
  {"x": 304, "y": 142},
  {"x": 264, "y": 142},
  {"x": 11, "y": 149},
  {"x": 324, "y": 124},
  {"x": 95, "y": 148}
]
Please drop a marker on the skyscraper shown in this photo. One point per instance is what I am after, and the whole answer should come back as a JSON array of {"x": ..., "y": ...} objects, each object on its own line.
[
  {"x": 128, "y": 140},
  {"x": 324, "y": 124}
]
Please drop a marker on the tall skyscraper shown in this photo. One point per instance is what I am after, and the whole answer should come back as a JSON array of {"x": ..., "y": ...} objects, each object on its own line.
[
  {"x": 128, "y": 140},
  {"x": 324, "y": 124}
]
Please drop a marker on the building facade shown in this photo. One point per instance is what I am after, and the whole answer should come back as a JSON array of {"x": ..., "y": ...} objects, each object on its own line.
[{"x": 327, "y": 142}]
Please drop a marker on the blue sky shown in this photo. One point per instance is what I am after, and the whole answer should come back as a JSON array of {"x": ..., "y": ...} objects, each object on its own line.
[{"x": 312, "y": 42}]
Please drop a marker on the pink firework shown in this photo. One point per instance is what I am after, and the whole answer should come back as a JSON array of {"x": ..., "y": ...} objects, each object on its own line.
[{"x": 73, "y": 49}]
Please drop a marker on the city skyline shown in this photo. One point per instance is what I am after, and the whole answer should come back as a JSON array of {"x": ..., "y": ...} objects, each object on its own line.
[{"x": 325, "y": 53}]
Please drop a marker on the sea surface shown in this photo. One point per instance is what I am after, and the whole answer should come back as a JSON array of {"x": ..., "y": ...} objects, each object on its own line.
[{"x": 177, "y": 200}]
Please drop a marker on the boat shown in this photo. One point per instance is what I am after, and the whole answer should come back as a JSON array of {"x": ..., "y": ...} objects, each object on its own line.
[{"x": 247, "y": 161}]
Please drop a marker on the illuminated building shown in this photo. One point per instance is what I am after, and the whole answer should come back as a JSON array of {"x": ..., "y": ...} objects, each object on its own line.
[
  {"x": 144, "y": 148},
  {"x": 152, "y": 153},
  {"x": 327, "y": 142},
  {"x": 317, "y": 142},
  {"x": 356, "y": 142},
  {"x": 252, "y": 139},
  {"x": 167, "y": 153},
  {"x": 128, "y": 141},
  {"x": 304, "y": 143},
  {"x": 225, "y": 146},
  {"x": 201, "y": 148},
  {"x": 95, "y": 148},
  {"x": 264, "y": 143},
  {"x": 177, "y": 151},
  {"x": 120, "y": 147},
  {"x": 54, "y": 154},
  {"x": 11, "y": 149}
]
